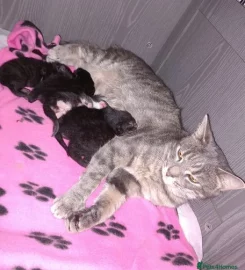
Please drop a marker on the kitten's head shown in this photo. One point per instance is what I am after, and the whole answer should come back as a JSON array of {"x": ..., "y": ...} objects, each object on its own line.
[
  {"x": 197, "y": 167},
  {"x": 62, "y": 70},
  {"x": 84, "y": 78},
  {"x": 55, "y": 68}
]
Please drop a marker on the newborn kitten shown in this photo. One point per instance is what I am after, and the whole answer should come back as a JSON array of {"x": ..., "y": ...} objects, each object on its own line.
[
  {"x": 160, "y": 161},
  {"x": 88, "y": 130},
  {"x": 24, "y": 72},
  {"x": 80, "y": 83},
  {"x": 59, "y": 94}
]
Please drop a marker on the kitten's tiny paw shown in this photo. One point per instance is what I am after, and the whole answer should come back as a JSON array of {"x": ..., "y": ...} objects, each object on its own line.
[
  {"x": 103, "y": 104},
  {"x": 26, "y": 91},
  {"x": 99, "y": 105},
  {"x": 85, "y": 102},
  {"x": 65, "y": 205}
]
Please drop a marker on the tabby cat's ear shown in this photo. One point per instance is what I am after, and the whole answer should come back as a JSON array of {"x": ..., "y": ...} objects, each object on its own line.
[
  {"x": 229, "y": 181},
  {"x": 204, "y": 132}
]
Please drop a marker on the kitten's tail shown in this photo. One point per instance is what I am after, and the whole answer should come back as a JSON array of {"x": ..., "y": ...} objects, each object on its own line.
[{"x": 50, "y": 114}]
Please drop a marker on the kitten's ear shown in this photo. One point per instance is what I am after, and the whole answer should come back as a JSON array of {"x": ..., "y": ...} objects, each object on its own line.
[
  {"x": 229, "y": 181},
  {"x": 204, "y": 132},
  {"x": 64, "y": 70}
]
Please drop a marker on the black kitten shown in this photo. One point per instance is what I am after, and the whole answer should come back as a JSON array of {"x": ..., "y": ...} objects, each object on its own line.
[
  {"x": 59, "y": 94},
  {"x": 24, "y": 72},
  {"x": 87, "y": 130},
  {"x": 79, "y": 83}
]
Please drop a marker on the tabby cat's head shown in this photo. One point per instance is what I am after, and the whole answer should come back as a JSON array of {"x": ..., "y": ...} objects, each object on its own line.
[{"x": 197, "y": 168}]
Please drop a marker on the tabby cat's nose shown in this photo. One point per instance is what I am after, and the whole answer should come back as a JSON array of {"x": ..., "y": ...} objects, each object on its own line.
[{"x": 173, "y": 171}]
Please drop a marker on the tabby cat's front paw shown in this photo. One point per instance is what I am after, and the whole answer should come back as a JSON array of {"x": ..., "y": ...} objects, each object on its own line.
[
  {"x": 84, "y": 219},
  {"x": 65, "y": 205}
]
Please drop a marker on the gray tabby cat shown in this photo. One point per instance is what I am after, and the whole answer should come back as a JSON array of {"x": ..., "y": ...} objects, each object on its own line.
[{"x": 159, "y": 162}]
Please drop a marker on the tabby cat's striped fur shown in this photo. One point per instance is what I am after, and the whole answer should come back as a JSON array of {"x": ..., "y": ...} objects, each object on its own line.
[{"x": 160, "y": 161}]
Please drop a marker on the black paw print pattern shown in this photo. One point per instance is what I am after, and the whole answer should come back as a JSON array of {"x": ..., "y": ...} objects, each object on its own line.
[
  {"x": 16, "y": 52},
  {"x": 23, "y": 268},
  {"x": 29, "y": 115},
  {"x": 55, "y": 240},
  {"x": 3, "y": 209},
  {"x": 36, "y": 51},
  {"x": 43, "y": 194},
  {"x": 31, "y": 151},
  {"x": 178, "y": 258},
  {"x": 111, "y": 227},
  {"x": 168, "y": 231}
]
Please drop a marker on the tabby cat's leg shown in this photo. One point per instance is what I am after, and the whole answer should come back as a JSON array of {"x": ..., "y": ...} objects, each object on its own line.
[
  {"x": 101, "y": 164},
  {"x": 79, "y": 55},
  {"x": 120, "y": 185}
]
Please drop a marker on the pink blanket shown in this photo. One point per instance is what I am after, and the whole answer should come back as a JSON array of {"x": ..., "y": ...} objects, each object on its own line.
[{"x": 34, "y": 169}]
